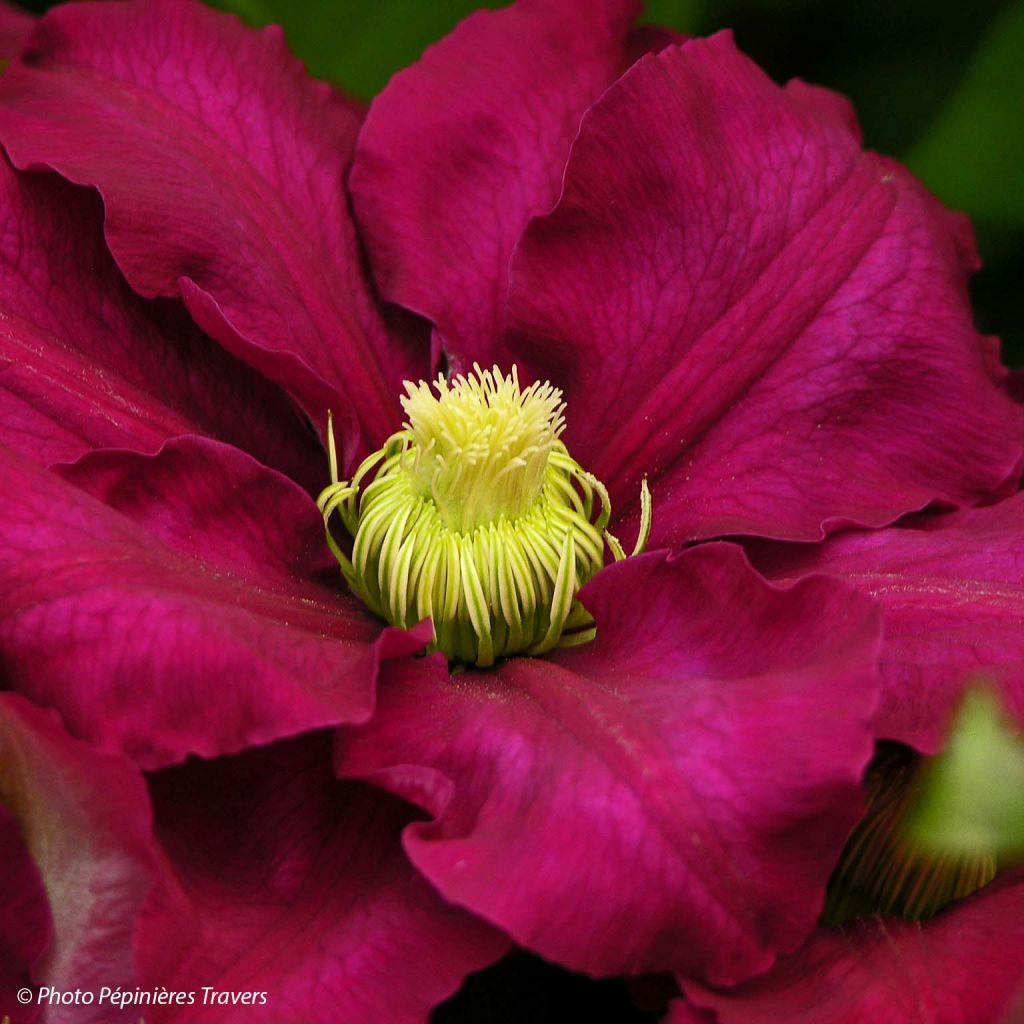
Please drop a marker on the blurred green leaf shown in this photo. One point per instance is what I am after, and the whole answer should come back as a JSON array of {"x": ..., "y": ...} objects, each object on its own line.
[
  {"x": 973, "y": 154},
  {"x": 358, "y": 44},
  {"x": 972, "y": 800},
  {"x": 682, "y": 15}
]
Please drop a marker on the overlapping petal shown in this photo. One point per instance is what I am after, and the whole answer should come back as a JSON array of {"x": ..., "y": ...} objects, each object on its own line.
[
  {"x": 85, "y": 363},
  {"x": 952, "y": 592},
  {"x": 964, "y": 967},
  {"x": 768, "y": 323},
  {"x": 84, "y": 817},
  {"x": 672, "y": 796},
  {"x": 26, "y": 929},
  {"x": 307, "y": 897},
  {"x": 739, "y": 304},
  {"x": 464, "y": 147},
  {"x": 221, "y": 166},
  {"x": 182, "y": 619},
  {"x": 275, "y": 878}
]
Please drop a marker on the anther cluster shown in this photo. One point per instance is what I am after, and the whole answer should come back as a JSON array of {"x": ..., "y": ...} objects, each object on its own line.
[{"x": 475, "y": 516}]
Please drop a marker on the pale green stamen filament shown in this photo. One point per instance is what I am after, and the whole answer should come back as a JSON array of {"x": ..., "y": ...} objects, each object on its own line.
[
  {"x": 885, "y": 871},
  {"x": 478, "y": 518}
]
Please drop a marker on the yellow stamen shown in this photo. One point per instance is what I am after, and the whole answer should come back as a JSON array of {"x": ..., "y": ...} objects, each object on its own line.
[{"x": 477, "y": 517}]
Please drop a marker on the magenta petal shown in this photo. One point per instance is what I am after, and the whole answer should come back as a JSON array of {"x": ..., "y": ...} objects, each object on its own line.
[
  {"x": 84, "y": 816},
  {"x": 308, "y": 896},
  {"x": 682, "y": 1012},
  {"x": 768, "y": 323},
  {"x": 951, "y": 589},
  {"x": 221, "y": 166},
  {"x": 15, "y": 26},
  {"x": 464, "y": 147},
  {"x": 86, "y": 363},
  {"x": 26, "y": 928},
  {"x": 274, "y": 877},
  {"x": 672, "y": 796},
  {"x": 964, "y": 967},
  {"x": 191, "y": 628}
]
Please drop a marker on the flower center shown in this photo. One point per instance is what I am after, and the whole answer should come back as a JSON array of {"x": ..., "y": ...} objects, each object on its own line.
[
  {"x": 884, "y": 871},
  {"x": 478, "y": 518}
]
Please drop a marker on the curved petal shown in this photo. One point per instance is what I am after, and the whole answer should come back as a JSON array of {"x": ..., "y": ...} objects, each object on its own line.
[
  {"x": 768, "y": 323},
  {"x": 308, "y": 897},
  {"x": 672, "y": 796},
  {"x": 951, "y": 589},
  {"x": 86, "y": 363},
  {"x": 85, "y": 820},
  {"x": 26, "y": 928},
  {"x": 221, "y": 166},
  {"x": 464, "y": 147},
  {"x": 964, "y": 967},
  {"x": 180, "y": 621}
]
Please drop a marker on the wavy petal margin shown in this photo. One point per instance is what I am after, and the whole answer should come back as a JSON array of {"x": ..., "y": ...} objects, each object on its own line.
[
  {"x": 951, "y": 589},
  {"x": 175, "y": 612},
  {"x": 464, "y": 147},
  {"x": 963, "y": 967},
  {"x": 673, "y": 796},
  {"x": 85, "y": 363},
  {"x": 305, "y": 898},
  {"x": 222, "y": 167},
  {"x": 769, "y": 324}
]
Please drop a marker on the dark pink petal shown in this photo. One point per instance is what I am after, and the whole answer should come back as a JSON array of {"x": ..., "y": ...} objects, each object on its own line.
[
  {"x": 741, "y": 305},
  {"x": 181, "y": 620},
  {"x": 307, "y": 896},
  {"x": 672, "y": 796},
  {"x": 951, "y": 589},
  {"x": 464, "y": 147},
  {"x": 85, "y": 820},
  {"x": 682, "y": 1012},
  {"x": 15, "y": 26},
  {"x": 963, "y": 967},
  {"x": 221, "y": 166},
  {"x": 86, "y": 363},
  {"x": 1016, "y": 384},
  {"x": 272, "y": 876},
  {"x": 26, "y": 928}
]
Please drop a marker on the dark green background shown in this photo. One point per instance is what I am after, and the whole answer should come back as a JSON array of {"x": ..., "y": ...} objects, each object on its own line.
[{"x": 937, "y": 83}]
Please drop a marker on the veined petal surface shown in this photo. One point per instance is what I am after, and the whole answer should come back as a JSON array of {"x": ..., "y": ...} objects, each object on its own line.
[
  {"x": 222, "y": 170},
  {"x": 464, "y": 147},
  {"x": 184, "y": 619},
  {"x": 951, "y": 588},
  {"x": 769, "y": 324},
  {"x": 672, "y": 796},
  {"x": 85, "y": 363}
]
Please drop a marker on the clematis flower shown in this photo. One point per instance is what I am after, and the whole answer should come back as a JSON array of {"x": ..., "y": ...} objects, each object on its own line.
[{"x": 204, "y": 252}]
